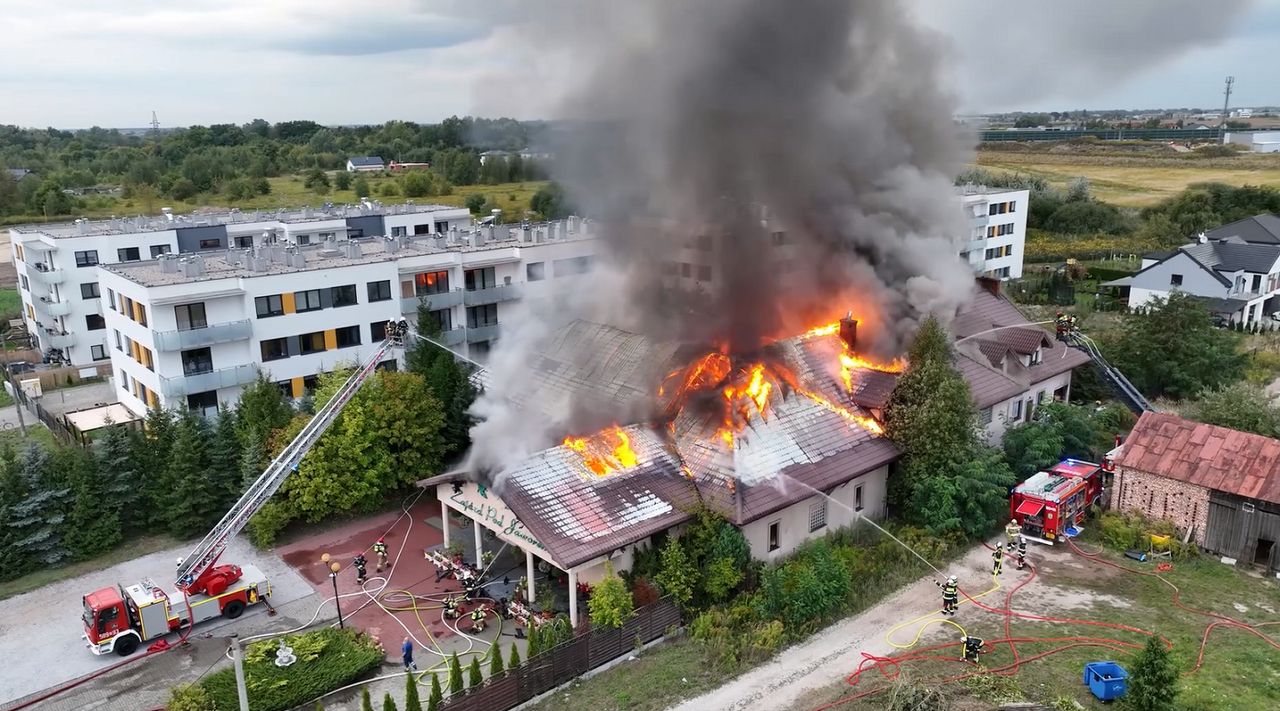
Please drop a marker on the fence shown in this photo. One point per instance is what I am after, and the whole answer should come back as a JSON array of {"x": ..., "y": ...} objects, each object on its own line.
[
  {"x": 55, "y": 424},
  {"x": 567, "y": 661}
]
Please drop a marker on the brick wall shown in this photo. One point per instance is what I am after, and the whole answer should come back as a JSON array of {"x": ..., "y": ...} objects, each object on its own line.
[{"x": 1185, "y": 504}]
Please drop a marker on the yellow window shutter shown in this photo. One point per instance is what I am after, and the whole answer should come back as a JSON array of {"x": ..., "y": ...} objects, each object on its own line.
[
  {"x": 330, "y": 339},
  {"x": 287, "y": 301},
  {"x": 296, "y": 384}
]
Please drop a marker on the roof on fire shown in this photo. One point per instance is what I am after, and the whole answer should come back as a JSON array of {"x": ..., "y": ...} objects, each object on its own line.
[{"x": 1213, "y": 457}]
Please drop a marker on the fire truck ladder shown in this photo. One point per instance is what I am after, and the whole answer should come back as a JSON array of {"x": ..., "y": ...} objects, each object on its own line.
[
  {"x": 206, "y": 554},
  {"x": 1134, "y": 399}
]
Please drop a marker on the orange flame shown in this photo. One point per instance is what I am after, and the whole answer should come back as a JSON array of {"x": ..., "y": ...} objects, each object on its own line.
[{"x": 604, "y": 452}]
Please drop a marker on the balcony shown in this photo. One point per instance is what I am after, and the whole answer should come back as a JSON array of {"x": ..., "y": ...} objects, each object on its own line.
[
  {"x": 57, "y": 339},
  {"x": 482, "y": 333},
  {"x": 435, "y": 301},
  {"x": 453, "y": 337},
  {"x": 51, "y": 307},
  {"x": 221, "y": 378},
  {"x": 206, "y": 336},
  {"x": 492, "y": 295},
  {"x": 41, "y": 273}
]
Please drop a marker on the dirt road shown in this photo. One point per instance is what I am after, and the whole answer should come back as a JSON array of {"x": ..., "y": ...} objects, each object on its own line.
[{"x": 837, "y": 651}]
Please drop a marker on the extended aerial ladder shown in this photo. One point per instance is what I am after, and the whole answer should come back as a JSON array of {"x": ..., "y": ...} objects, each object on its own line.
[
  {"x": 1134, "y": 399},
  {"x": 199, "y": 572}
]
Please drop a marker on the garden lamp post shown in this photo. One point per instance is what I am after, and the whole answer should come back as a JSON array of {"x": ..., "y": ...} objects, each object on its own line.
[{"x": 334, "y": 567}]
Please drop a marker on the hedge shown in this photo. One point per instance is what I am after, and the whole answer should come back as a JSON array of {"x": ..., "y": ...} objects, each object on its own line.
[{"x": 327, "y": 659}]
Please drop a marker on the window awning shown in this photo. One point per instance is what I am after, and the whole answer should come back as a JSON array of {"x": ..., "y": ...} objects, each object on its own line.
[{"x": 1030, "y": 507}]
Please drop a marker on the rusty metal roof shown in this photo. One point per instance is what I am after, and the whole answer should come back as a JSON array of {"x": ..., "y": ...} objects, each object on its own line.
[{"x": 1209, "y": 456}]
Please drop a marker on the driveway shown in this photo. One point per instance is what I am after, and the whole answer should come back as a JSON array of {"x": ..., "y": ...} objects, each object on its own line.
[{"x": 40, "y": 631}]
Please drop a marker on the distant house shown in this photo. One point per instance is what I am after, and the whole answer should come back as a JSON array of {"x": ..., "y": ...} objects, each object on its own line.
[
  {"x": 394, "y": 166},
  {"x": 1221, "y": 487},
  {"x": 1234, "y": 268},
  {"x": 20, "y": 174},
  {"x": 365, "y": 164},
  {"x": 493, "y": 155},
  {"x": 1199, "y": 126}
]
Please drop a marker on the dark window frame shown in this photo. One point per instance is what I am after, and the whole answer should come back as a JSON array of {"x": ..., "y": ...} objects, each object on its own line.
[
  {"x": 122, "y": 254},
  {"x": 83, "y": 258},
  {"x": 307, "y": 297},
  {"x": 102, "y": 322},
  {"x": 378, "y": 331},
  {"x": 375, "y": 290},
  {"x": 271, "y": 310},
  {"x": 535, "y": 271},
  {"x": 307, "y": 340},
  {"x": 193, "y": 324},
  {"x": 197, "y": 361},
  {"x": 94, "y": 289},
  {"x": 351, "y": 332},
  {"x": 215, "y": 243},
  {"x": 159, "y": 249},
  {"x": 345, "y": 290},
  {"x": 280, "y": 354},
  {"x": 101, "y": 354},
  {"x": 431, "y": 283}
]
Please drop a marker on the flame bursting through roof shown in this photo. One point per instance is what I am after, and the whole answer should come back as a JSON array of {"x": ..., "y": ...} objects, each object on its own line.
[{"x": 734, "y": 393}]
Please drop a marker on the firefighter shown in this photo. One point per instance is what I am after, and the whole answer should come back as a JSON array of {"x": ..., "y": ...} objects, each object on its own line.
[
  {"x": 362, "y": 573},
  {"x": 380, "y": 548},
  {"x": 1012, "y": 529},
  {"x": 997, "y": 559},
  {"x": 972, "y": 648},
  {"x": 451, "y": 607},
  {"x": 1022, "y": 552},
  {"x": 477, "y": 618},
  {"x": 1060, "y": 325},
  {"x": 950, "y": 595}
]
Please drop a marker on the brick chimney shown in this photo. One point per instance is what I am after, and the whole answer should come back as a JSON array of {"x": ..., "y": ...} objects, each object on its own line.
[
  {"x": 990, "y": 285},
  {"x": 849, "y": 331}
]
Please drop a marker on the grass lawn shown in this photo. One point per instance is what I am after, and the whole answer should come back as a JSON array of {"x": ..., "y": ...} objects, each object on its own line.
[
  {"x": 1135, "y": 181},
  {"x": 1239, "y": 670},
  {"x": 128, "y": 550},
  {"x": 10, "y": 304},
  {"x": 658, "y": 678},
  {"x": 36, "y": 432}
]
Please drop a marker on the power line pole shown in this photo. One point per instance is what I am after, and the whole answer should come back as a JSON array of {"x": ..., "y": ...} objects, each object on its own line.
[
  {"x": 1226, "y": 103},
  {"x": 155, "y": 126}
]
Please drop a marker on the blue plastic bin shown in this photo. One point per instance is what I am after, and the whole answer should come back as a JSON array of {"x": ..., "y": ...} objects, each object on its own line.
[{"x": 1107, "y": 680}]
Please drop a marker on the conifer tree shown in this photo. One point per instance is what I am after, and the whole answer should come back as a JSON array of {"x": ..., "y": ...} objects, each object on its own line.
[
  {"x": 120, "y": 472},
  {"x": 455, "y": 675},
  {"x": 366, "y": 704},
  {"x": 433, "y": 701},
  {"x": 514, "y": 660},
  {"x": 39, "y": 518},
  {"x": 1153, "y": 685},
  {"x": 411, "y": 702},
  {"x": 224, "y": 457},
  {"x": 192, "y": 503},
  {"x": 388, "y": 703},
  {"x": 93, "y": 523},
  {"x": 14, "y": 560},
  {"x": 476, "y": 676},
  {"x": 151, "y": 456},
  {"x": 495, "y": 659}
]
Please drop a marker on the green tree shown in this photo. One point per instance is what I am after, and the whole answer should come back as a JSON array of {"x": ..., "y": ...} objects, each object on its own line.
[
  {"x": 448, "y": 379},
  {"x": 317, "y": 180},
  {"x": 93, "y": 523},
  {"x": 225, "y": 458},
  {"x": 388, "y": 703},
  {"x": 550, "y": 202},
  {"x": 120, "y": 474},
  {"x": 361, "y": 187},
  {"x": 514, "y": 660},
  {"x": 192, "y": 502},
  {"x": 534, "y": 642},
  {"x": 455, "y": 675},
  {"x": 1032, "y": 447},
  {"x": 38, "y": 519},
  {"x": 1153, "y": 682},
  {"x": 610, "y": 604},
  {"x": 416, "y": 183},
  {"x": 474, "y": 202},
  {"x": 495, "y": 660},
  {"x": 716, "y": 549},
  {"x": 1241, "y": 406},
  {"x": 1088, "y": 217},
  {"x": 411, "y": 702},
  {"x": 190, "y": 697},
  {"x": 366, "y": 704},
  {"x": 182, "y": 189},
  {"x": 262, "y": 186},
  {"x": 1174, "y": 350},
  {"x": 14, "y": 560},
  {"x": 342, "y": 181},
  {"x": 433, "y": 700},
  {"x": 677, "y": 576},
  {"x": 474, "y": 676}
]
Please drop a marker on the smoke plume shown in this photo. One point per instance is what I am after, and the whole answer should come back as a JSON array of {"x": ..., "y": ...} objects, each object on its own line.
[{"x": 799, "y": 154}]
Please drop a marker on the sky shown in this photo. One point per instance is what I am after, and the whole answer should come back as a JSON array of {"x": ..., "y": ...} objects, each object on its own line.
[{"x": 78, "y": 63}]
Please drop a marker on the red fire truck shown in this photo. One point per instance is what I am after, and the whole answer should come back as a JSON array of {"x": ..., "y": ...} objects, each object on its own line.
[
  {"x": 1091, "y": 473},
  {"x": 118, "y": 619},
  {"x": 1048, "y": 504}
]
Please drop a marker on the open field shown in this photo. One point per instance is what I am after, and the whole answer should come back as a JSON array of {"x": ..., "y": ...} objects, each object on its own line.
[{"x": 1135, "y": 180}]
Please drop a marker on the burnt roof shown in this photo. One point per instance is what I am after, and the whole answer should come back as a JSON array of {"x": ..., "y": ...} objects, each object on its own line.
[{"x": 1209, "y": 456}]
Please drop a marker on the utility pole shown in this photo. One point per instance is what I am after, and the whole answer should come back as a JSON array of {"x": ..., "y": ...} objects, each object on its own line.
[
  {"x": 1226, "y": 103},
  {"x": 8, "y": 378},
  {"x": 155, "y": 126},
  {"x": 241, "y": 690}
]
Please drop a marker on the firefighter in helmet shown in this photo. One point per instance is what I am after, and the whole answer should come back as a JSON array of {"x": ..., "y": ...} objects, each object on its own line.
[
  {"x": 360, "y": 564},
  {"x": 1022, "y": 552},
  {"x": 972, "y": 648},
  {"x": 950, "y": 595},
  {"x": 477, "y": 618},
  {"x": 1012, "y": 529},
  {"x": 451, "y": 607},
  {"x": 380, "y": 549},
  {"x": 997, "y": 559},
  {"x": 1060, "y": 325}
]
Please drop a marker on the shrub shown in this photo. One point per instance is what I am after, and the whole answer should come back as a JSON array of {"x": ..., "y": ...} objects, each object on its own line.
[
  {"x": 643, "y": 592},
  {"x": 328, "y": 658},
  {"x": 266, "y": 525},
  {"x": 1153, "y": 685},
  {"x": 455, "y": 675},
  {"x": 475, "y": 676},
  {"x": 433, "y": 700},
  {"x": 610, "y": 604},
  {"x": 411, "y": 701},
  {"x": 514, "y": 660},
  {"x": 189, "y": 697},
  {"x": 993, "y": 687}
]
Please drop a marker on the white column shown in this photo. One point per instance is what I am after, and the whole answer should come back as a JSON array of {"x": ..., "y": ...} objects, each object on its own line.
[
  {"x": 528, "y": 559},
  {"x": 444, "y": 518},
  {"x": 573, "y": 599},
  {"x": 479, "y": 549}
]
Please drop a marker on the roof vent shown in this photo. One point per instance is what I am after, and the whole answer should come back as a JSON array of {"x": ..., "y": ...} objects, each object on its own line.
[
  {"x": 234, "y": 258},
  {"x": 394, "y": 244},
  {"x": 193, "y": 266},
  {"x": 168, "y": 213},
  {"x": 169, "y": 263},
  {"x": 476, "y": 238},
  {"x": 296, "y": 259},
  {"x": 352, "y": 249},
  {"x": 571, "y": 225}
]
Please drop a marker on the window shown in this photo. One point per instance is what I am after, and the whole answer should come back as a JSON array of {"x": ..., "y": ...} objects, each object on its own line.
[
  {"x": 124, "y": 381},
  {"x": 570, "y": 267},
  {"x": 422, "y": 229},
  {"x": 275, "y": 349},
  {"x": 269, "y": 305},
  {"x": 1013, "y": 206},
  {"x": 346, "y": 295},
  {"x": 128, "y": 254},
  {"x": 994, "y": 209},
  {"x": 476, "y": 279},
  {"x": 1175, "y": 280},
  {"x": 89, "y": 290},
  {"x": 309, "y": 384},
  {"x": 244, "y": 241},
  {"x": 87, "y": 258},
  {"x": 535, "y": 271},
  {"x": 399, "y": 232},
  {"x": 429, "y": 283},
  {"x": 118, "y": 346},
  {"x": 190, "y": 316},
  {"x": 442, "y": 319},
  {"x": 197, "y": 361},
  {"x": 326, "y": 236},
  {"x": 204, "y": 402},
  {"x": 141, "y": 313},
  {"x": 857, "y": 498},
  {"x": 26, "y": 285},
  {"x": 286, "y": 388},
  {"x": 215, "y": 243},
  {"x": 479, "y": 349},
  {"x": 478, "y": 316},
  {"x": 94, "y": 322},
  {"x": 985, "y": 416},
  {"x": 817, "y": 515},
  {"x": 98, "y": 352},
  {"x": 773, "y": 536},
  {"x": 302, "y": 240},
  {"x": 441, "y": 228},
  {"x": 377, "y": 331},
  {"x": 1015, "y": 410},
  {"x": 159, "y": 249},
  {"x": 307, "y": 300},
  {"x": 348, "y": 337},
  {"x": 111, "y": 299},
  {"x": 1036, "y": 356},
  {"x": 1040, "y": 396},
  {"x": 309, "y": 343},
  {"x": 379, "y": 290},
  {"x": 704, "y": 272}
]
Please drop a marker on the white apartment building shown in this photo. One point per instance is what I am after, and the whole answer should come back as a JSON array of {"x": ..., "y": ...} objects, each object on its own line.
[
  {"x": 191, "y": 331},
  {"x": 58, "y": 264},
  {"x": 998, "y": 224}
]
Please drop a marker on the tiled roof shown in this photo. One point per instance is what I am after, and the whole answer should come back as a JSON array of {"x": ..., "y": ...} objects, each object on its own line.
[
  {"x": 994, "y": 351},
  {"x": 365, "y": 161},
  {"x": 1232, "y": 256},
  {"x": 1259, "y": 229},
  {"x": 1022, "y": 340},
  {"x": 987, "y": 385},
  {"x": 1209, "y": 456}
]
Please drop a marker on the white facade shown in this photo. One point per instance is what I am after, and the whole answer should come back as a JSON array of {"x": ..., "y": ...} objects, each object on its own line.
[
  {"x": 192, "y": 331},
  {"x": 998, "y": 230},
  {"x": 57, "y": 264},
  {"x": 1257, "y": 141},
  {"x": 1019, "y": 409},
  {"x": 1253, "y": 290},
  {"x": 777, "y": 535}
]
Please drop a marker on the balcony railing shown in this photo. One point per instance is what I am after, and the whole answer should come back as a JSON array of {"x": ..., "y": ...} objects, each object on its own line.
[
  {"x": 58, "y": 339},
  {"x": 435, "y": 301},
  {"x": 221, "y": 378},
  {"x": 492, "y": 295},
  {"x": 205, "y": 336},
  {"x": 51, "y": 307},
  {"x": 482, "y": 333},
  {"x": 41, "y": 273}
]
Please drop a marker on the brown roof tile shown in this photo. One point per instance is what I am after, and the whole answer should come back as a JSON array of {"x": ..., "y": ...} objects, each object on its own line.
[{"x": 1213, "y": 457}]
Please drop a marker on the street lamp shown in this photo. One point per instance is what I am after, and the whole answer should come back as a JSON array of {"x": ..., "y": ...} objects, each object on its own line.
[{"x": 334, "y": 567}]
